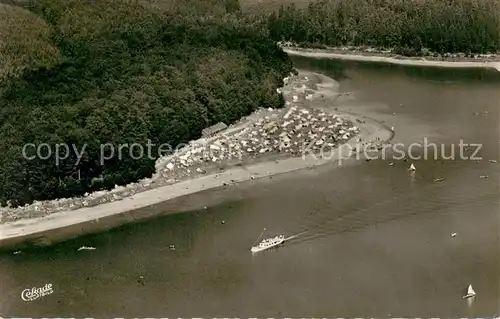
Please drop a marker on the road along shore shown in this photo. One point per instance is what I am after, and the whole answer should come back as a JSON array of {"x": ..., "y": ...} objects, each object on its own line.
[
  {"x": 267, "y": 145},
  {"x": 387, "y": 58}
]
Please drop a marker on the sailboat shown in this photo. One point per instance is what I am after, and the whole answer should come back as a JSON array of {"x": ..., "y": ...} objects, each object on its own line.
[
  {"x": 470, "y": 293},
  {"x": 267, "y": 243},
  {"x": 412, "y": 168}
]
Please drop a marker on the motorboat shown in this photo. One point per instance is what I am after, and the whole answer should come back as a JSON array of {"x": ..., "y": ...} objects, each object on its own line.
[{"x": 268, "y": 243}]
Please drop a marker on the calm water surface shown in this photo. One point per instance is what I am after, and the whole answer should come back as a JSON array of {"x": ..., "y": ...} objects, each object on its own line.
[{"x": 379, "y": 239}]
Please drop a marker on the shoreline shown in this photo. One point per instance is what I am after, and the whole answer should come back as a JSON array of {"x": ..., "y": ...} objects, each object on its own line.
[
  {"x": 61, "y": 226},
  {"x": 390, "y": 58},
  {"x": 251, "y": 140}
]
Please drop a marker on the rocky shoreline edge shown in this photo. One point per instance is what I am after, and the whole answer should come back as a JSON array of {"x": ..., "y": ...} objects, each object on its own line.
[
  {"x": 447, "y": 60},
  {"x": 264, "y": 144}
]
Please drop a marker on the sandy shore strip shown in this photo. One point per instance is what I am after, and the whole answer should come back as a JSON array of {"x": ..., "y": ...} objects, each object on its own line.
[
  {"x": 267, "y": 134},
  {"x": 422, "y": 61},
  {"x": 63, "y": 225}
]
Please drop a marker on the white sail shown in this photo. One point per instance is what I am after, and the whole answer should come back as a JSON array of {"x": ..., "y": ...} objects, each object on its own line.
[
  {"x": 412, "y": 168},
  {"x": 471, "y": 291}
]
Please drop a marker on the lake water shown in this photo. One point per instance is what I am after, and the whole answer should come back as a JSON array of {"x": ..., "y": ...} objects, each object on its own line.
[{"x": 378, "y": 241}]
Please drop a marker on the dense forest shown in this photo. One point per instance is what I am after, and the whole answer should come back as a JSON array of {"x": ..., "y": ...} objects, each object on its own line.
[
  {"x": 159, "y": 71},
  {"x": 114, "y": 72},
  {"x": 410, "y": 27}
]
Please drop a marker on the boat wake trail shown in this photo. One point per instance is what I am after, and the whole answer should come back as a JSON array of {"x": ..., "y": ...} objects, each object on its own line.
[{"x": 324, "y": 224}]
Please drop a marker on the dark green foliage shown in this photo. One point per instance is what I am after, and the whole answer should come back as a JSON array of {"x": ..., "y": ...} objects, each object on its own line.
[
  {"x": 129, "y": 75},
  {"x": 407, "y": 25},
  {"x": 232, "y": 6}
]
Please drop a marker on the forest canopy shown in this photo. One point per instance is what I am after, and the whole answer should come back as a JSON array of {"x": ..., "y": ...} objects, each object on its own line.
[
  {"x": 126, "y": 73},
  {"x": 408, "y": 26}
]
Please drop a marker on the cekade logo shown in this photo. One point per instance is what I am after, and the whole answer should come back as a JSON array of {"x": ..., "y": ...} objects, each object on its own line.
[{"x": 35, "y": 293}]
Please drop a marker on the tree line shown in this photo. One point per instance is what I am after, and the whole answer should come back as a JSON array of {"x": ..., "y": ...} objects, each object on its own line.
[{"x": 411, "y": 27}]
